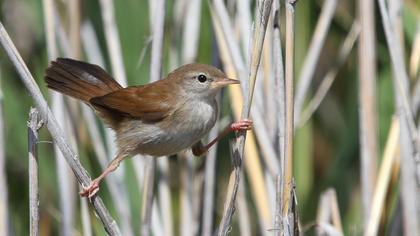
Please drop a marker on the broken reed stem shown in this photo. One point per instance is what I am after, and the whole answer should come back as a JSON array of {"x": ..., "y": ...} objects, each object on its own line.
[
  {"x": 367, "y": 105},
  {"x": 56, "y": 132},
  {"x": 289, "y": 80},
  {"x": 34, "y": 124},
  {"x": 263, "y": 13}
]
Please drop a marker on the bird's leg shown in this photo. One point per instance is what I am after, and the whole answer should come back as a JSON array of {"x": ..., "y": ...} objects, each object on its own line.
[
  {"x": 198, "y": 149},
  {"x": 93, "y": 187}
]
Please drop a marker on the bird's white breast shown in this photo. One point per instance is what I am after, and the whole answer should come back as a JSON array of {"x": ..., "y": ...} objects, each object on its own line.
[{"x": 186, "y": 126}]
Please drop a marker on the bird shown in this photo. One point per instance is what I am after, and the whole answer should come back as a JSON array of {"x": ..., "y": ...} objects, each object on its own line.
[{"x": 156, "y": 119}]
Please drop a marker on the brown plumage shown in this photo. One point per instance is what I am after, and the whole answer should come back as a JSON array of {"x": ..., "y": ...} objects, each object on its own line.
[
  {"x": 83, "y": 81},
  {"x": 157, "y": 119}
]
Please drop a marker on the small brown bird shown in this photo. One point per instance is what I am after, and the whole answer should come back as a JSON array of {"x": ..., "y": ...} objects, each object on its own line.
[{"x": 157, "y": 119}]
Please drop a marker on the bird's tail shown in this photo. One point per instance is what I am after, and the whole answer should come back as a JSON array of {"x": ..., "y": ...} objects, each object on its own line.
[{"x": 79, "y": 80}]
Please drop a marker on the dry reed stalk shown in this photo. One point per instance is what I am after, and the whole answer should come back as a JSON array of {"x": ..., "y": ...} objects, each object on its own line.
[
  {"x": 244, "y": 17},
  {"x": 328, "y": 217},
  {"x": 395, "y": 7},
  {"x": 85, "y": 218},
  {"x": 410, "y": 163},
  {"x": 157, "y": 227},
  {"x": 191, "y": 32},
  {"x": 279, "y": 93},
  {"x": 74, "y": 12},
  {"x": 415, "y": 55},
  {"x": 34, "y": 124},
  {"x": 220, "y": 14},
  {"x": 61, "y": 36},
  {"x": 4, "y": 205},
  {"x": 415, "y": 99},
  {"x": 312, "y": 57},
  {"x": 48, "y": 9},
  {"x": 209, "y": 185},
  {"x": 289, "y": 80},
  {"x": 188, "y": 225},
  {"x": 65, "y": 182},
  {"x": 56, "y": 132},
  {"x": 277, "y": 230},
  {"x": 252, "y": 162},
  {"x": 263, "y": 13},
  {"x": 113, "y": 41},
  {"x": 231, "y": 192},
  {"x": 90, "y": 44},
  {"x": 266, "y": 88},
  {"x": 367, "y": 105},
  {"x": 147, "y": 196},
  {"x": 244, "y": 220},
  {"x": 384, "y": 177},
  {"x": 165, "y": 196},
  {"x": 330, "y": 76}
]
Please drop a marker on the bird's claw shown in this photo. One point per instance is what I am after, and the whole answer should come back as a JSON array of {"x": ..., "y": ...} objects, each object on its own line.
[
  {"x": 90, "y": 190},
  {"x": 241, "y": 125}
]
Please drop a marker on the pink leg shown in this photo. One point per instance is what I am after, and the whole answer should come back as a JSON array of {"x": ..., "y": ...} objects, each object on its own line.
[
  {"x": 199, "y": 150},
  {"x": 93, "y": 187}
]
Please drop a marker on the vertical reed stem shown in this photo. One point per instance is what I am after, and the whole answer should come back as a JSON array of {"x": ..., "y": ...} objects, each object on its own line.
[
  {"x": 34, "y": 124},
  {"x": 367, "y": 104},
  {"x": 289, "y": 80}
]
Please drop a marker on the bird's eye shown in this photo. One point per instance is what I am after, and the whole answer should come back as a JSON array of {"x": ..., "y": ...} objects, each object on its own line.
[{"x": 202, "y": 78}]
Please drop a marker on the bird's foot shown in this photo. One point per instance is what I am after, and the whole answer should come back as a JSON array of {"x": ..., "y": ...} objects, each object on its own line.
[
  {"x": 90, "y": 190},
  {"x": 241, "y": 125}
]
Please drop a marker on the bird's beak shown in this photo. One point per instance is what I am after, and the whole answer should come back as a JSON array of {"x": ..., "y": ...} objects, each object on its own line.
[{"x": 223, "y": 82}]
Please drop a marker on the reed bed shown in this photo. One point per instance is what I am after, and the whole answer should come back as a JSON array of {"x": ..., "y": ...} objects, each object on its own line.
[{"x": 334, "y": 97}]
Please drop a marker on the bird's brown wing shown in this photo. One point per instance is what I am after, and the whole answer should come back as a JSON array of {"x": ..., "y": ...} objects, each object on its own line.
[{"x": 150, "y": 103}]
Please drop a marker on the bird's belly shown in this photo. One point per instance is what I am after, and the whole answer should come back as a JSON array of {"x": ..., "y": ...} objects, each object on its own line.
[{"x": 164, "y": 138}]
